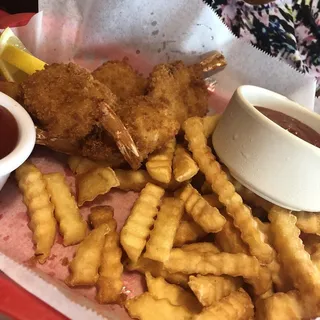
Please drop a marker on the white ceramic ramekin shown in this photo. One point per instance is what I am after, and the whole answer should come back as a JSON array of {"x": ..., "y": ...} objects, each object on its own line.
[
  {"x": 26, "y": 139},
  {"x": 265, "y": 158}
]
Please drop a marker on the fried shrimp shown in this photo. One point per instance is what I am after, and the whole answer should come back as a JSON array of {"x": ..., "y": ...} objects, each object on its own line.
[
  {"x": 62, "y": 96},
  {"x": 121, "y": 79},
  {"x": 151, "y": 123},
  {"x": 182, "y": 87}
]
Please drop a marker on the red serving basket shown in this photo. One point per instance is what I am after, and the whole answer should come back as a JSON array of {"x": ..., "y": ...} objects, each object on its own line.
[{"x": 16, "y": 302}]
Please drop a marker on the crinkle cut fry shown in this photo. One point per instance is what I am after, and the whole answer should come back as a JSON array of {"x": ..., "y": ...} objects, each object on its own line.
[
  {"x": 94, "y": 183},
  {"x": 165, "y": 227},
  {"x": 210, "y": 289},
  {"x": 157, "y": 269},
  {"x": 110, "y": 284},
  {"x": 210, "y": 124},
  {"x": 188, "y": 231},
  {"x": 285, "y": 306},
  {"x": 100, "y": 215},
  {"x": 133, "y": 180},
  {"x": 159, "y": 163},
  {"x": 40, "y": 209},
  {"x": 71, "y": 224},
  {"x": 240, "y": 213},
  {"x": 136, "y": 230},
  {"x": 86, "y": 262},
  {"x": 160, "y": 289},
  {"x": 229, "y": 240},
  {"x": 279, "y": 275},
  {"x": 193, "y": 262},
  {"x": 286, "y": 237},
  {"x": 209, "y": 218},
  {"x": 201, "y": 247},
  {"x": 184, "y": 167},
  {"x": 308, "y": 222},
  {"x": 236, "y": 306},
  {"x": 146, "y": 307}
]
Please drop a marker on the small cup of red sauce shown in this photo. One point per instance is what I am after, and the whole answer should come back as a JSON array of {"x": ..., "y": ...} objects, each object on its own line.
[
  {"x": 271, "y": 145},
  {"x": 17, "y": 136}
]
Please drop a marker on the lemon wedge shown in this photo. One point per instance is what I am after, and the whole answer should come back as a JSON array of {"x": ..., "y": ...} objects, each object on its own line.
[
  {"x": 16, "y": 62},
  {"x": 21, "y": 59}
]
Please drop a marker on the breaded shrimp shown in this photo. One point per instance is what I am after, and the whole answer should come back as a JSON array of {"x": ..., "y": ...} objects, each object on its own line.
[
  {"x": 182, "y": 87},
  {"x": 151, "y": 123},
  {"x": 64, "y": 99},
  {"x": 121, "y": 79}
]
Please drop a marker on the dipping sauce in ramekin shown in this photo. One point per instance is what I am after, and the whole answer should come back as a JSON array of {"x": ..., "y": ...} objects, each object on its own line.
[
  {"x": 17, "y": 136},
  {"x": 9, "y": 132},
  {"x": 293, "y": 125}
]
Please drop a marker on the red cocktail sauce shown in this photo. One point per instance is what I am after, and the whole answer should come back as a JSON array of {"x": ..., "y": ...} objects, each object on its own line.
[
  {"x": 292, "y": 125},
  {"x": 9, "y": 132}
]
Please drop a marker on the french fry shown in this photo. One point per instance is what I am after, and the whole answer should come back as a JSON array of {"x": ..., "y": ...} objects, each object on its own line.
[
  {"x": 188, "y": 231},
  {"x": 132, "y": 180},
  {"x": 191, "y": 262},
  {"x": 71, "y": 224},
  {"x": 211, "y": 289},
  {"x": 162, "y": 235},
  {"x": 315, "y": 255},
  {"x": 80, "y": 165},
  {"x": 213, "y": 200},
  {"x": 229, "y": 239},
  {"x": 184, "y": 167},
  {"x": 86, "y": 262},
  {"x": 202, "y": 247},
  {"x": 285, "y": 306},
  {"x": 209, "y": 124},
  {"x": 159, "y": 164},
  {"x": 264, "y": 228},
  {"x": 144, "y": 265},
  {"x": 94, "y": 183},
  {"x": 262, "y": 283},
  {"x": 146, "y": 307},
  {"x": 279, "y": 276},
  {"x": 253, "y": 199},
  {"x": 207, "y": 217},
  {"x": 296, "y": 261},
  {"x": 241, "y": 214},
  {"x": 136, "y": 230},
  {"x": 100, "y": 215},
  {"x": 40, "y": 209},
  {"x": 308, "y": 222},
  {"x": 110, "y": 284},
  {"x": 236, "y": 306},
  {"x": 160, "y": 289}
]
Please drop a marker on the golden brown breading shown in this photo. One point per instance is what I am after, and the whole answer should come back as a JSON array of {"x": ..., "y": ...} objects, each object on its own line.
[
  {"x": 121, "y": 79},
  {"x": 12, "y": 89},
  {"x": 182, "y": 86},
  {"x": 100, "y": 146},
  {"x": 78, "y": 114},
  {"x": 151, "y": 122},
  {"x": 64, "y": 99}
]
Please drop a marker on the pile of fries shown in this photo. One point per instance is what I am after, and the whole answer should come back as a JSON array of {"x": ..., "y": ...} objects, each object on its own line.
[{"x": 204, "y": 252}]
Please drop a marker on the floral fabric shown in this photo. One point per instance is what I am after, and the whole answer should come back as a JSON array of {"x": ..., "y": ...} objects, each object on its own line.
[{"x": 289, "y": 29}]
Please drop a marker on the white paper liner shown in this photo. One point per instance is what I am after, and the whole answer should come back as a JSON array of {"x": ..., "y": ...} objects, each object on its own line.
[
  {"x": 89, "y": 32},
  {"x": 45, "y": 291}
]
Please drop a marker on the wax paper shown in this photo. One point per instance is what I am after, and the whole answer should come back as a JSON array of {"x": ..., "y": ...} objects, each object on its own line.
[{"x": 147, "y": 32}]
